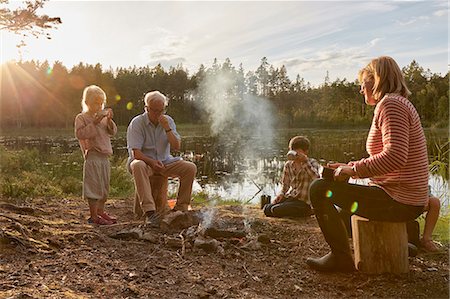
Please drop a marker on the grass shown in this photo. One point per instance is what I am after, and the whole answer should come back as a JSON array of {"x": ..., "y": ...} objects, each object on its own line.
[{"x": 441, "y": 232}]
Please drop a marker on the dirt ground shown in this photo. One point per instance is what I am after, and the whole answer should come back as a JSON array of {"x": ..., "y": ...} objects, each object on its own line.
[{"x": 49, "y": 251}]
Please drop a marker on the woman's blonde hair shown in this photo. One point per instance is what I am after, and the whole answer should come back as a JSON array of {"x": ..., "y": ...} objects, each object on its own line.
[
  {"x": 90, "y": 93},
  {"x": 387, "y": 77}
]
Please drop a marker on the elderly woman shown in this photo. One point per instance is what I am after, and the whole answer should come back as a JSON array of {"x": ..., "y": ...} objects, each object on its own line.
[{"x": 397, "y": 167}]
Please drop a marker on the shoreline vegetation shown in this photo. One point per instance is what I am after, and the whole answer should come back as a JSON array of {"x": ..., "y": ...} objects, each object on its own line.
[{"x": 27, "y": 174}]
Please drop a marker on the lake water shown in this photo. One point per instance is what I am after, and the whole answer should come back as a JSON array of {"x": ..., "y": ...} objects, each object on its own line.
[{"x": 239, "y": 167}]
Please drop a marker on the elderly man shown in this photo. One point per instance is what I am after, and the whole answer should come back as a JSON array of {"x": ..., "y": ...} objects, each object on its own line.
[{"x": 150, "y": 138}]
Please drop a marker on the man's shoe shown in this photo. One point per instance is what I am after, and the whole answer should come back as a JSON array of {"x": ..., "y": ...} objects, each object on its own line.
[
  {"x": 152, "y": 219},
  {"x": 412, "y": 250},
  {"x": 331, "y": 263}
]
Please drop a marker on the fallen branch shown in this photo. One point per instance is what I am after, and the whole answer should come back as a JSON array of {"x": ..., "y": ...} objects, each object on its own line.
[{"x": 183, "y": 245}]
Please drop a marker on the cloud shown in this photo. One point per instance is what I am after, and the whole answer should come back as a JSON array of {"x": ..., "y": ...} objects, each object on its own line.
[
  {"x": 327, "y": 59},
  {"x": 375, "y": 41},
  {"x": 412, "y": 20},
  {"x": 164, "y": 47},
  {"x": 441, "y": 13}
]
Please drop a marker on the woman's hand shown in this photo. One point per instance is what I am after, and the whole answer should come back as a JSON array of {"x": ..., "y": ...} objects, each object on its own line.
[
  {"x": 335, "y": 165},
  {"x": 278, "y": 199},
  {"x": 343, "y": 173}
]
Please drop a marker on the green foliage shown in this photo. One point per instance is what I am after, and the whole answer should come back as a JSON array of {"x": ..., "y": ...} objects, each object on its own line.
[
  {"x": 297, "y": 103},
  {"x": 121, "y": 183},
  {"x": 439, "y": 159},
  {"x": 26, "y": 173},
  {"x": 202, "y": 198},
  {"x": 29, "y": 184},
  {"x": 441, "y": 232}
]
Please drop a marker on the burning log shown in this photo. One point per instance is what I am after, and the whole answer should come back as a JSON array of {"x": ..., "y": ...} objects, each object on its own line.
[
  {"x": 224, "y": 233},
  {"x": 208, "y": 245},
  {"x": 178, "y": 220}
]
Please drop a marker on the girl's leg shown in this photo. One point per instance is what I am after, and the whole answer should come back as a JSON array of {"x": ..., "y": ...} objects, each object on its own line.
[
  {"x": 93, "y": 209},
  {"x": 431, "y": 218},
  {"x": 101, "y": 206}
]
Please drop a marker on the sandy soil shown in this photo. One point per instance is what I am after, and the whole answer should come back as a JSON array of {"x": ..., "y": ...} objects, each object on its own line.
[{"x": 49, "y": 251}]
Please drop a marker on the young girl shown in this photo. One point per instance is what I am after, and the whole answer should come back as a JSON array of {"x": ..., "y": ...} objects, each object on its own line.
[
  {"x": 93, "y": 129},
  {"x": 433, "y": 207}
]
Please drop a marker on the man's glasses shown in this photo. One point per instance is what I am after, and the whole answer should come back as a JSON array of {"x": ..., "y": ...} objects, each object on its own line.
[{"x": 163, "y": 111}]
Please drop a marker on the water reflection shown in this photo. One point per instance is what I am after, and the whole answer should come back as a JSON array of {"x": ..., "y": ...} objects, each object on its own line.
[{"x": 227, "y": 170}]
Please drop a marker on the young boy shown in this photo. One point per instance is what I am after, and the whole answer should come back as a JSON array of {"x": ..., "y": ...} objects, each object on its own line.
[{"x": 298, "y": 173}]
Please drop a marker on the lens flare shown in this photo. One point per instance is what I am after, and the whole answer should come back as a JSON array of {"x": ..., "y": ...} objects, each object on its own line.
[
  {"x": 129, "y": 105},
  {"x": 117, "y": 97},
  {"x": 354, "y": 207},
  {"x": 328, "y": 193},
  {"x": 49, "y": 71}
]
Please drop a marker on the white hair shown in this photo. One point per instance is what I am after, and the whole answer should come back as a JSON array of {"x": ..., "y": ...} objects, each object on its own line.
[
  {"x": 154, "y": 96},
  {"x": 90, "y": 93}
]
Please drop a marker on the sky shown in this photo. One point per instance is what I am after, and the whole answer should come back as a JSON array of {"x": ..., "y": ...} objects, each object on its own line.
[{"x": 310, "y": 38}]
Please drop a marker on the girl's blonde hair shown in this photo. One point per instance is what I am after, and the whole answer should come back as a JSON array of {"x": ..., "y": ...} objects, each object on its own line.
[
  {"x": 90, "y": 93},
  {"x": 387, "y": 77}
]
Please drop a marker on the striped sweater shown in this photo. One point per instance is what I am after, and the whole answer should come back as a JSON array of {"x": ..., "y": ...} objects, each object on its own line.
[{"x": 398, "y": 161}]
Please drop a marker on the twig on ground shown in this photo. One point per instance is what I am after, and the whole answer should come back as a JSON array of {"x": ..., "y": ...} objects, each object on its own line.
[
  {"x": 254, "y": 277},
  {"x": 183, "y": 245}
]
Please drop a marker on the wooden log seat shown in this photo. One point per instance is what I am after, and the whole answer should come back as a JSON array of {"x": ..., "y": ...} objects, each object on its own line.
[{"x": 380, "y": 247}]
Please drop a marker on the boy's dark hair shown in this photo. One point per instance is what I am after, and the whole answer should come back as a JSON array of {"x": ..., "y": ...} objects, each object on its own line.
[{"x": 299, "y": 142}]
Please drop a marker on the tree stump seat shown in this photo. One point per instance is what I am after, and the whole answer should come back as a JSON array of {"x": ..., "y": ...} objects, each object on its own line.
[
  {"x": 380, "y": 247},
  {"x": 159, "y": 192}
]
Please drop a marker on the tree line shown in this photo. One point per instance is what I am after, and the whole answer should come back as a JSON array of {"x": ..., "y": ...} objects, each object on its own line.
[{"x": 37, "y": 94}]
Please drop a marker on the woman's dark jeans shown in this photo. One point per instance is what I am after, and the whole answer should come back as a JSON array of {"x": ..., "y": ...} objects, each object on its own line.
[{"x": 370, "y": 202}]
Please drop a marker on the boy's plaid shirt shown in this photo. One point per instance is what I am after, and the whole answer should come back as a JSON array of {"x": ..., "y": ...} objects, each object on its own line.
[{"x": 295, "y": 183}]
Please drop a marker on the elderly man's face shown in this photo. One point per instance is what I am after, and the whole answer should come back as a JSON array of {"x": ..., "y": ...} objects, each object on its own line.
[{"x": 155, "y": 109}]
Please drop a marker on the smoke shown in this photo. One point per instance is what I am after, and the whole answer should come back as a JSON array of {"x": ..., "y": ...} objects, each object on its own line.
[{"x": 233, "y": 113}]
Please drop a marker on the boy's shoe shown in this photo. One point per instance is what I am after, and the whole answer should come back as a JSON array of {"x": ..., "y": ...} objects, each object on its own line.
[
  {"x": 412, "y": 250},
  {"x": 152, "y": 219},
  {"x": 108, "y": 217},
  {"x": 100, "y": 221}
]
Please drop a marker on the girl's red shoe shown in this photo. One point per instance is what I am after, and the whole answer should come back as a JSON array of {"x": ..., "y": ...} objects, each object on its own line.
[
  {"x": 108, "y": 217},
  {"x": 100, "y": 221}
]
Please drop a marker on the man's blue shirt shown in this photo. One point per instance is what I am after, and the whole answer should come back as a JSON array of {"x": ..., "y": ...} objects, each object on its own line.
[{"x": 151, "y": 140}]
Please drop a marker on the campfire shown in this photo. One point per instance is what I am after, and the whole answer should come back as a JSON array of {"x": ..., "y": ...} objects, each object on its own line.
[{"x": 200, "y": 231}]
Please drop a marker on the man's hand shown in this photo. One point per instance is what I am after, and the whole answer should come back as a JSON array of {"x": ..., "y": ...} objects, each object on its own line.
[
  {"x": 156, "y": 165},
  {"x": 164, "y": 121}
]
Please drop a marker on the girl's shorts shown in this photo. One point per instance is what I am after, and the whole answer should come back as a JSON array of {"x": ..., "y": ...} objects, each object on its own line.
[{"x": 96, "y": 175}]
